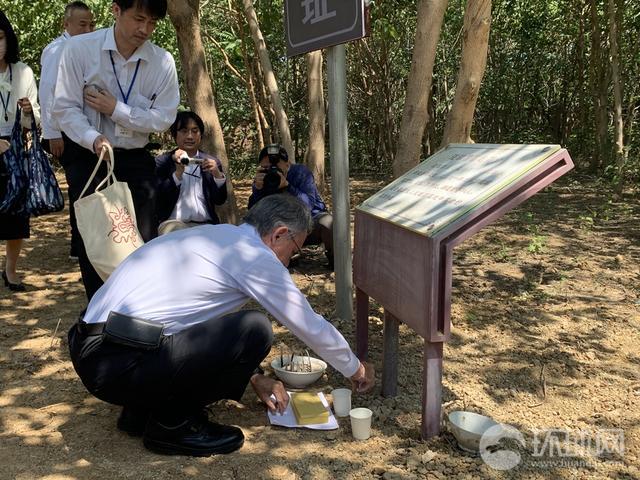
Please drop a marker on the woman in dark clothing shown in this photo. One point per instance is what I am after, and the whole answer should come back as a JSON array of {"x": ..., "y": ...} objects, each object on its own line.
[{"x": 17, "y": 90}]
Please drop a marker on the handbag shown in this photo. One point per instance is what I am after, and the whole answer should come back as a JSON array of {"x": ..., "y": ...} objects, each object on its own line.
[
  {"x": 44, "y": 194},
  {"x": 14, "y": 201},
  {"x": 107, "y": 220}
]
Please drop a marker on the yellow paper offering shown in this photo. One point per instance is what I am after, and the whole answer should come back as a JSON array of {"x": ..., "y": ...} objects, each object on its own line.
[{"x": 308, "y": 408}]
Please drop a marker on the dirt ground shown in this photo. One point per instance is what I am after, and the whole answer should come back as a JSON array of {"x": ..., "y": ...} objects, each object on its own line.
[{"x": 546, "y": 335}]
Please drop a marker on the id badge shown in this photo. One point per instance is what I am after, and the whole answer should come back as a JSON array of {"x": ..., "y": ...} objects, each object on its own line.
[
  {"x": 5, "y": 130},
  {"x": 123, "y": 132}
]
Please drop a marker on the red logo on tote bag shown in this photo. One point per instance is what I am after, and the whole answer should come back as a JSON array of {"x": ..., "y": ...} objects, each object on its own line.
[{"x": 122, "y": 227}]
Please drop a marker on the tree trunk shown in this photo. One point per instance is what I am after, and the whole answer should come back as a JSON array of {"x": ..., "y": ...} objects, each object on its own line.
[
  {"x": 617, "y": 96},
  {"x": 599, "y": 86},
  {"x": 270, "y": 78},
  {"x": 475, "y": 43},
  {"x": 267, "y": 113},
  {"x": 251, "y": 87},
  {"x": 184, "y": 15},
  {"x": 414, "y": 115},
  {"x": 315, "y": 154}
]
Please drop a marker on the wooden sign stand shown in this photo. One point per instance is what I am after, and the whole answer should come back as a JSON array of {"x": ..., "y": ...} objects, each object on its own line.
[{"x": 409, "y": 275}]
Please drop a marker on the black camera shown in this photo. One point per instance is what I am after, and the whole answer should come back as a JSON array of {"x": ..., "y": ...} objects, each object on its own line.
[
  {"x": 271, "y": 182},
  {"x": 272, "y": 178}
]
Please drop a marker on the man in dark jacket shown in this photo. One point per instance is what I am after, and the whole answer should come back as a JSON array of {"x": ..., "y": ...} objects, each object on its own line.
[
  {"x": 190, "y": 182},
  {"x": 276, "y": 174}
]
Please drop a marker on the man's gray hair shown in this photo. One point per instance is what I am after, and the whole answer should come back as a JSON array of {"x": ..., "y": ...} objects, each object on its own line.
[
  {"x": 280, "y": 210},
  {"x": 68, "y": 10}
]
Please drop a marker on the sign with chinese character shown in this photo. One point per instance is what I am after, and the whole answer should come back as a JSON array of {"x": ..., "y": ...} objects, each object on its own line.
[
  {"x": 315, "y": 24},
  {"x": 452, "y": 183}
]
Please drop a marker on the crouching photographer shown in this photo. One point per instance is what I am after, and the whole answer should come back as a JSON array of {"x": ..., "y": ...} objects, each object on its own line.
[{"x": 276, "y": 174}]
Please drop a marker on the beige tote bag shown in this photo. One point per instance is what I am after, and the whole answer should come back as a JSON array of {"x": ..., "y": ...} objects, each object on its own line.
[{"x": 107, "y": 220}]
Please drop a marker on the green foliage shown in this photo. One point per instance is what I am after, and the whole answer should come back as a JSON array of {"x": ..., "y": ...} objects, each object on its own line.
[
  {"x": 537, "y": 244},
  {"x": 539, "y": 86}
]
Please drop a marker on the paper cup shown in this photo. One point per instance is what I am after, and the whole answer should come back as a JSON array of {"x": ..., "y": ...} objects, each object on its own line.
[
  {"x": 341, "y": 401},
  {"x": 361, "y": 423}
]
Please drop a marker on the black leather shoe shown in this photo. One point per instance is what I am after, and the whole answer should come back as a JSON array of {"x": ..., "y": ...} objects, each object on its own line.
[
  {"x": 196, "y": 437},
  {"x": 132, "y": 421},
  {"x": 14, "y": 287}
]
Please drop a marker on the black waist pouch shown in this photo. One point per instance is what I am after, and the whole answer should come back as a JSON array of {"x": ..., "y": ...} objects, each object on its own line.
[{"x": 132, "y": 332}]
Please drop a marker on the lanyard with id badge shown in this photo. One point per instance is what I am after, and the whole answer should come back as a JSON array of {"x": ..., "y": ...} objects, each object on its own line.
[
  {"x": 121, "y": 131},
  {"x": 5, "y": 130}
]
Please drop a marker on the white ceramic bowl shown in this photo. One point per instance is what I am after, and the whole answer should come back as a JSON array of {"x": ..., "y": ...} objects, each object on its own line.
[
  {"x": 468, "y": 428},
  {"x": 299, "y": 379}
]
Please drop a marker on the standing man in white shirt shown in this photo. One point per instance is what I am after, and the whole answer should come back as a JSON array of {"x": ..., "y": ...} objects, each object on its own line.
[
  {"x": 165, "y": 336},
  {"x": 77, "y": 19},
  {"x": 115, "y": 87}
]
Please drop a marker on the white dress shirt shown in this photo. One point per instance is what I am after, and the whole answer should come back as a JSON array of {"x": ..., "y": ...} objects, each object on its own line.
[
  {"x": 205, "y": 272},
  {"x": 152, "y": 103},
  {"x": 192, "y": 204},
  {"x": 15, "y": 83},
  {"x": 49, "y": 61}
]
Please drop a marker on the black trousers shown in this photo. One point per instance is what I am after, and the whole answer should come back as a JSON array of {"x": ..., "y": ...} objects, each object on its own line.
[
  {"x": 322, "y": 232},
  {"x": 75, "y": 234},
  {"x": 137, "y": 168},
  {"x": 210, "y": 361}
]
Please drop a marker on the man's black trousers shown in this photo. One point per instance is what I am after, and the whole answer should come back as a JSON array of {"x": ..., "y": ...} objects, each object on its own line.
[
  {"x": 137, "y": 168},
  {"x": 210, "y": 361}
]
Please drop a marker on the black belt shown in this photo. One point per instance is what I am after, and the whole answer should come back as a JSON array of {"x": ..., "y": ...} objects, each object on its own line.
[
  {"x": 125, "y": 330},
  {"x": 90, "y": 329}
]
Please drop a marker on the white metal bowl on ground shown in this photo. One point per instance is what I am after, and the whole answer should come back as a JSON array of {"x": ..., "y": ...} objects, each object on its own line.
[
  {"x": 468, "y": 428},
  {"x": 305, "y": 371}
]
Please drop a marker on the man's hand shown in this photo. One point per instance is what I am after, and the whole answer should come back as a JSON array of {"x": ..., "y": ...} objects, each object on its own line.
[
  {"x": 211, "y": 166},
  {"x": 283, "y": 181},
  {"x": 4, "y": 146},
  {"x": 56, "y": 145},
  {"x": 177, "y": 155},
  {"x": 25, "y": 105},
  {"x": 265, "y": 387},
  {"x": 364, "y": 379},
  {"x": 100, "y": 100},
  {"x": 98, "y": 143},
  {"x": 258, "y": 180}
]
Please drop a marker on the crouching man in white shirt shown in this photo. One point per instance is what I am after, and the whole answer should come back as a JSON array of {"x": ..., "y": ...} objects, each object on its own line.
[{"x": 164, "y": 337}]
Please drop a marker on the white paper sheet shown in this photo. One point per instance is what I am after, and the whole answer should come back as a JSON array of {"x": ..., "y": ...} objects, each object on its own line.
[{"x": 288, "y": 418}]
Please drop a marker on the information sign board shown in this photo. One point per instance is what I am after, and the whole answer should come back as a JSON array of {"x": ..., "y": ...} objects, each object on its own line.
[{"x": 452, "y": 183}]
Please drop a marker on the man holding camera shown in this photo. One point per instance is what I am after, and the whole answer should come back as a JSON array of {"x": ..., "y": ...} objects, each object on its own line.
[
  {"x": 164, "y": 336},
  {"x": 276, "y": 174},
  {"x": 190, "y": 182}
]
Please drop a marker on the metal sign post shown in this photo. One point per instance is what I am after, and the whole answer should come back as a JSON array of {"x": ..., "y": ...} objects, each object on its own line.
[
  {"x": 337, "y": 83},
  {"x": 312, "y": 25}
]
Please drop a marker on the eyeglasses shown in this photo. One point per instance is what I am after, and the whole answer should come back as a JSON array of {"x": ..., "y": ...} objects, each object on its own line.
[{"x": 292, "y": 237}]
